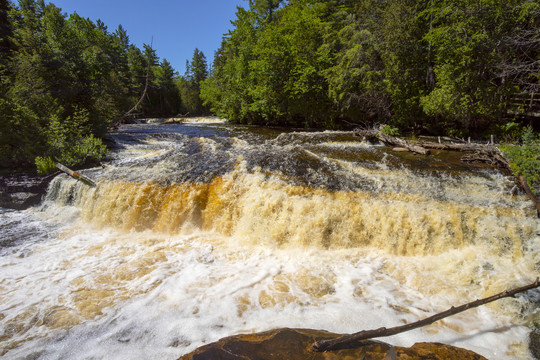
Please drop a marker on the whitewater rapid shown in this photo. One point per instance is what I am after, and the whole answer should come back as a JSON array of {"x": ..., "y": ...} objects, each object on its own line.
[{"x": 198, "y": 231}]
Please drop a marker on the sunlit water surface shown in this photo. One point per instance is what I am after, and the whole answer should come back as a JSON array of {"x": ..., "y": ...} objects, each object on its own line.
[{"x": 199, "y": 231}]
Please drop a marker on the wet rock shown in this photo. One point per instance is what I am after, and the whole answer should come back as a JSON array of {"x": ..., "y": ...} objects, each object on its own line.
[
  {"x": 534, "y": 343},
  {"x": 20, "y": 200},
  {"x": 295, "y": 344},
  {"x": 21, "y": 191}
]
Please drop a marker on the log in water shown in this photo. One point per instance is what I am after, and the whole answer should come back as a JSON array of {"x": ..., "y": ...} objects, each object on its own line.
[{"x": 198, "y": 231}]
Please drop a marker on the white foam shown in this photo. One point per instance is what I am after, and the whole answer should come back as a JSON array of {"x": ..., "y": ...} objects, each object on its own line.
[{"x": 196, "y": 289}]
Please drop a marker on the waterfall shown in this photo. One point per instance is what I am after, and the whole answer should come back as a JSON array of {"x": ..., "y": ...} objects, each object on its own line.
[{"x": 197, "y": 231}]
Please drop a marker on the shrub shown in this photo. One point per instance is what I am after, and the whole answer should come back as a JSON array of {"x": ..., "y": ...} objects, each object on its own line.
[
  {"x": 44, "y": 164},
  {"x": 390, "y": 130},
  {"x": 70, "y": 143},
  {"x": 525, "y": 159},
  {"x": 86, "y": 151}
]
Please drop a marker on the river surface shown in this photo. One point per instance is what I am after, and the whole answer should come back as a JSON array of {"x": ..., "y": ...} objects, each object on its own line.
[{"x": 198, "y": 231}]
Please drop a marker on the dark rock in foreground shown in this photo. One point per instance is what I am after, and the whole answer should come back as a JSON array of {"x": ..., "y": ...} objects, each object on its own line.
[
  {"x": 295, "y": 344},
  {"x": 534, "y": 344},
  {"x": 21, "y": 191}
]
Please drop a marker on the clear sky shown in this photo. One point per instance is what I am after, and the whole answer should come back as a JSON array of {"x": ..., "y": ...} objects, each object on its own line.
[{"x": 178, "y": 26}]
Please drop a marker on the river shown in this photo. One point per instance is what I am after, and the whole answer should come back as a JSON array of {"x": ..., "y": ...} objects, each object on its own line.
[{"x": 202, "y": 230}]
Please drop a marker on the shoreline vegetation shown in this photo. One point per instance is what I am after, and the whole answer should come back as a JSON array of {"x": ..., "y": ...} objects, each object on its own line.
[{"x": 435, "y": 68}]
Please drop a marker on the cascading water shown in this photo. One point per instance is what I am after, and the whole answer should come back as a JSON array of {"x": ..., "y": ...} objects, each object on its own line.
[{"x": 201, "y": 230}]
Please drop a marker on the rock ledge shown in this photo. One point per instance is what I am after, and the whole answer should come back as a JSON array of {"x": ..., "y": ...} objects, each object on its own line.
[{"x": 295, "y": 344}]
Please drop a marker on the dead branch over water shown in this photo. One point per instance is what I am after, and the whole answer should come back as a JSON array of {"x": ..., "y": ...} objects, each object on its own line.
[{"x": 350, "y": 341}]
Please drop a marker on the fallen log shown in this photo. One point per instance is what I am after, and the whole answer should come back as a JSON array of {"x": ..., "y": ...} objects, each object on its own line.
[
  {"x": 458, "y": 147},
  {"x": 422, "y": 146},
  {"x": 492, "y": 157},
  {"x": 347, "y": 341},
  {"x": 75, "y": 175},
  {"x": 391, "y": 140}
]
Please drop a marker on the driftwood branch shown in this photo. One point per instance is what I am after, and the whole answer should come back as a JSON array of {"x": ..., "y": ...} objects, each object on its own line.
[
  {"x": 75, "y": 175},
  {"x": 348, "y": 341}
]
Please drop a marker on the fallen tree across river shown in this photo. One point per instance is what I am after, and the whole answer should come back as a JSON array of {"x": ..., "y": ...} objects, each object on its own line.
[
  {"x": 484, "y": 153},
  {"x": 391, "y": 140},
  {"x": 347, "y": 341},
  {"x": 422, "y": 147}
]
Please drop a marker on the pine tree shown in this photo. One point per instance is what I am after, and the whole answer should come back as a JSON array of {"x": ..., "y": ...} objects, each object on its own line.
[{"x": 190, "y": 85}]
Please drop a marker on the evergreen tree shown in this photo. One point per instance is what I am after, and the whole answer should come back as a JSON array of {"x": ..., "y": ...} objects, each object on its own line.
[
  {"x": 63, "y": 81},
  {"x": 227, "y": 92},
  {"x": 6, "y": 31},
  {"x": 190, "y": 85},
  {"x": 438, "y": 65}
]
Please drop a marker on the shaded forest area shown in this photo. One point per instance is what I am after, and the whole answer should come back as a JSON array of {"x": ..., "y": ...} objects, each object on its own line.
[
  {"x": 66, "y": 80},
  {"x": 445, "y": 67}
]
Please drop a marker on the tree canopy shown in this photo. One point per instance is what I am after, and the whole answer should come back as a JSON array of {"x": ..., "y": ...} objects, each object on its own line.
[
  {"x": 66, "y": 79},
  {"x": 435, "y": 66},
  {"x": 190, "y": 84}
]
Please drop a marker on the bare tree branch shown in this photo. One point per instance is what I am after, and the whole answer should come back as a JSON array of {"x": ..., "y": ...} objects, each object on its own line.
[{"x": 349, "y": 341}]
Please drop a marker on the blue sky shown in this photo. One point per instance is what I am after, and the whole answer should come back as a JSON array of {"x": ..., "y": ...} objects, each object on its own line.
[{"x": 178, "y": 26}]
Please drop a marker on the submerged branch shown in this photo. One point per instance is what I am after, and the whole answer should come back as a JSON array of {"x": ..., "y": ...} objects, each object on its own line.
[{"x": 350, "y": 341}]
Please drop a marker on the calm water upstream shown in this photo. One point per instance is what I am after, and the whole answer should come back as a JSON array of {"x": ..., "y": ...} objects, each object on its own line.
[{"x": 199, "y": 231}]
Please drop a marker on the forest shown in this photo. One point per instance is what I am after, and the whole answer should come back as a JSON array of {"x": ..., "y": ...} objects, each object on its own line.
[
  {"x": 434, "y": 66},
  {"x": 66, "y": 81},
  {"x": 458, "y": 68}
]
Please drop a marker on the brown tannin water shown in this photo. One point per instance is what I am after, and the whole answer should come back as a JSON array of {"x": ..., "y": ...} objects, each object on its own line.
[{"x": 198, "y": 231}]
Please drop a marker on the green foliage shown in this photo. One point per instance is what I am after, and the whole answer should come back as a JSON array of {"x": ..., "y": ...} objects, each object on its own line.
[
  {"x": 226, "y": 92},
  {"x": 476, "y": 55},
  {"x": 45, "y": 165},
  {"x": 510, "y": 131},
  {"x": 435, "y": 66},
  {"x": 20, "y": 134},
  {"x": 270, "y": 70},
  {"x": 525, "y": 159},
  {"x": 189, "y": 86},
  {"x": 64, "y": 80},
  {"x": 87, "y": 151},
  {"x": 390, "y": 130},
  {"x": 68, "y": 142},
  {"x": 164, "y": 96}
]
